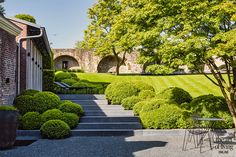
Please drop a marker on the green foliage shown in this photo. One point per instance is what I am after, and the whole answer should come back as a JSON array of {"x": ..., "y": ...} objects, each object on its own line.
[
  {"x": 30, "y": 92},
  {"x": 24, "y": 103},
  {"x": 138, "y": 107},
  {"x": 44, "y": 101},
  {"x": 31, "y": 121},
  {"x": 26, "y": 17},
  {"x": 70, "y": 107},
  {"x": 71, "y": 119},
  {"x": 55, "y": 129},
  {"x": 2, "y": 10},
  {"x": 142, "y": 85},
  {"x": 159, "y": 69},
  {"x": 154, "y": 104},
  {"x": 48, "y": 80},
  {"x": 7, "y": 108},
  {"x": 52, "y": 114},
  {"x": 128, "y": 103},
  {"x": 69, "y": 81},
  {"x": 120, "y": 90},
  {"x": 147, "y": 94},
  {"x": 59, "y": 76},
  {"x": 175, "y": 95},
  {"x": 165, "y": 117}
]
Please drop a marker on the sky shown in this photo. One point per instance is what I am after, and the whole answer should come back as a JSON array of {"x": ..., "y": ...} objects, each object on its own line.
[{"x": 64, "y": 20}]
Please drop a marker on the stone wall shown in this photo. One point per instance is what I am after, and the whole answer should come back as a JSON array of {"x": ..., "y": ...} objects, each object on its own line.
[{"x": 8, "y": 56}]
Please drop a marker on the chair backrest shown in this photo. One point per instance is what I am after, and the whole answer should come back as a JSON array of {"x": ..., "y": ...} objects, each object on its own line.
[
  {"x": 60, "y": 85},
  {"x": 65, "y": 84}
]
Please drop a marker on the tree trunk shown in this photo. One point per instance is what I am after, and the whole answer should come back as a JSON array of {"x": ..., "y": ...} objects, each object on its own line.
[{"x": 117, "y": 68}]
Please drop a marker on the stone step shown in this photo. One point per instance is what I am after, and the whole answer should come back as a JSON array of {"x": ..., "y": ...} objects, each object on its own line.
[
  {"x": 103, "y": 132},
  {"x": 82, "y": 96},
  {"x": 90, "y": 102},
  {"x": 102, "y": 107},
  {"x": 108, "y": 113},
  {"x": 110, "y": 125},
  {"x": 95, "y": 119}
]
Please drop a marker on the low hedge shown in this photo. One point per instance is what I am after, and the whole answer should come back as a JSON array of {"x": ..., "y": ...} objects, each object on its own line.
[
  {"x": 153, "y": 104},
  {"x": 70, "y": 107},
  {"x": 55, "y": 129},
  {"x": 24, "y": 103},
  {"x": 52, "y": 114},
  {"x": 31, "y": 121},
  {"x": 165, "y": 117},
  {"x": 7, "y": 108},
  {"x": 175, "y": 95},
  {"x": 142, "y": 85},
  {"x": 60, "y": 75},
  {"x": 69, "y": 81},
  {"x": 147, "y": 94},
  {"x": 30, "y": 92},
  {"x": 71, "y": 119},
  {"x": 138, "y": 107},
  {"x": 128, "y": 103}
]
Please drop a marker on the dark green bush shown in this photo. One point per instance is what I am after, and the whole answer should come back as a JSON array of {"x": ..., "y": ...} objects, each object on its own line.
[
  {"x": 142, "y": 86},
  {"x": 30, "y": 92},
  {"x": 24, "y": 103},
  {"x": 153, "y": 104},
  {"x": 70, "y": 107},
  {"x": 52, "y": 114},
  {"x": 120, "y": 90},
  {"x": 55, "y": 129},
  {"x": 62, "y": 75},
  {"x": 175, "y": 95},
  {"x": 7, "y": 108},
  {"x": 69, "y": 81},
  {"x": 31, "y": 121},
  {"x": 128, "y": 103},
  {"x": 44, "y": 101},
  {"x": 138, "y": 107},
  {"x": 147, "y": 94},
  {"x": 165, "y": 117},
  {"x": 71, "y": 119},
  {"x": 48, "y": 80},
  {"x": 81, "y": 84}
]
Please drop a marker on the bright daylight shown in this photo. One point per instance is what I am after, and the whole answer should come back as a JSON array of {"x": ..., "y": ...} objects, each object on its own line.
[{"x": 117, "y": 78}]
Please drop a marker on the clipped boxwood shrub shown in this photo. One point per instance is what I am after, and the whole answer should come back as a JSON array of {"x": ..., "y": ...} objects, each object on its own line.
[
  {"x": 31, "y": 121},
  {"x": 52, "y": 114},
  {"x": 147, "y": 94},
  {"x": 128, "y": 103},
  {"x": 142, "y": 85},
  {"x": 120, "y": 90},
  {"x": 30, "y": 92},
  {"x": 70, "y": 107},
  {"x": 69, "y": 81},
  {"x": 71, "y": 119},
  {"x": 59, "y": 76},
  {"x": 153, "y": 104},
  {"x": 44, "y": 101},
  {"x": 24, "y": 103},
  {"x": 138, "y": 107},
  {"x": 165, "y": 117},
  {"x": 7, "y": 108},
  {"x": 175, "y": 95},
  {"x": 55, "y": 129}
]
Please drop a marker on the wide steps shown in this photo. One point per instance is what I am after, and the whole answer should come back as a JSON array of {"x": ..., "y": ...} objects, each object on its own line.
[
  {"x": 103, "y": 132},
  {"x": 108, "y": 113},
  {"x": 97, "y": 119},
  {"x": 111, "y": 125},
  {"x": 82, "y": 97},
  {"x": 91, "y": 102},
  {"x": 102, "y": 107}
]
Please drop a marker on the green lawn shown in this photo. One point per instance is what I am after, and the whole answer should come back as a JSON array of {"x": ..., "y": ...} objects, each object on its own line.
[{"x": 195, "y": 84}]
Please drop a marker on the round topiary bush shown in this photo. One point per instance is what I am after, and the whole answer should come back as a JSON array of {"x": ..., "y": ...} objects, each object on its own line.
[
  {"x": 147, "y": 94},
  {"x": 71, "y": 119},
  {"x": 31, "y": 121},
  {"x": 175, "y": 95},
  {"x": 30, "y": 92},
  {"x": 52, "y": 114},
  {"x": 24, "y": 103},
  {"x": 142, "y": 86},
  {"x": 128, "y": 103},
  {"x": 59, "y": 76},
  {"x": 138, "y": 107},
  {"x": 118, "y": 91},
  {"x": 55, "y": 129},
  {"x": 70, "y": 107},
  {"x": 69, "y": 81},
  {"x": 165, "y": 117},
  {"x": 44, "y": 101}
]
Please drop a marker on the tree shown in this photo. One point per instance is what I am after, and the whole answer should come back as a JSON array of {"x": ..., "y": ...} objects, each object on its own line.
[
  {"x": 192, "y": 32},
  {"x": 106, "y": 32},
  {"x": 26, "y": 17},
  {"x": 2, "y": 10}
]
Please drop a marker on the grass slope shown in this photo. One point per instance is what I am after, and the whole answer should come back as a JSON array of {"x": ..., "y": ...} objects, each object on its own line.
[{"x": 195, "y": 84}]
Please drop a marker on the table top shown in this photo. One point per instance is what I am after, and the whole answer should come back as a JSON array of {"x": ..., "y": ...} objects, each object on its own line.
[{"x": 209, "y": 119}]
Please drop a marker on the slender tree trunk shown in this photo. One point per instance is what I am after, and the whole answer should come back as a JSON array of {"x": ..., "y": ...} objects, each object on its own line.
[{"x": 118, "y": 68}]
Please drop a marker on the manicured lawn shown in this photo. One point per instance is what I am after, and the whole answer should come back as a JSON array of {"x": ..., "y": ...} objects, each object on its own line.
[{"x": 195, "y": 84}]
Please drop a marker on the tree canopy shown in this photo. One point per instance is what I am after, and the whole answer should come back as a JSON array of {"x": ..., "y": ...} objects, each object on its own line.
[
  {"x": 26, "y": 17},
  {"x": 2, "y": 10}
]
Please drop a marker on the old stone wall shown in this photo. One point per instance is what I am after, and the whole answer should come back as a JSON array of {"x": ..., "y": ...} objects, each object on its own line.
[{"x": 8, "y": 56}]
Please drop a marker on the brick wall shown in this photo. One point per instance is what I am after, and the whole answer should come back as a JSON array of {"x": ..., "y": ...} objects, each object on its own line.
[{"x": 8, "y": 57}]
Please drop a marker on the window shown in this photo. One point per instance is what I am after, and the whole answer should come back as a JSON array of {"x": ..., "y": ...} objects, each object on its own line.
[{"x": 64, "y": 64}]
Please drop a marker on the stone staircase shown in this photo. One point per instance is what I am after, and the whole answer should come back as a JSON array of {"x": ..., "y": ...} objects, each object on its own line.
[{"x": 101, "y": 119}]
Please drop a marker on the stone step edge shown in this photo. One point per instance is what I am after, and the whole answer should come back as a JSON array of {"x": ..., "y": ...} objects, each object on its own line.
[{"x": 113, "y": 123}]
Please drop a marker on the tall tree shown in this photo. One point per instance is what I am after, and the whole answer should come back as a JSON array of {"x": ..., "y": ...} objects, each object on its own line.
[
  {"x": 192, "y": 32},
  {"x": 2, "y": 10},
  {"x": 105, "y": 33}
]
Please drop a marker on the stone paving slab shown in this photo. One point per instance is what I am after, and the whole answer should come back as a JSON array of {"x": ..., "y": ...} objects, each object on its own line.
[{"x": 134, "y": 146}]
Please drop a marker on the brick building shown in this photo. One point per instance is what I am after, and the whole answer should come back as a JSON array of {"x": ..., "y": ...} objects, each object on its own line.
[{"x": 8, "y": 59}]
